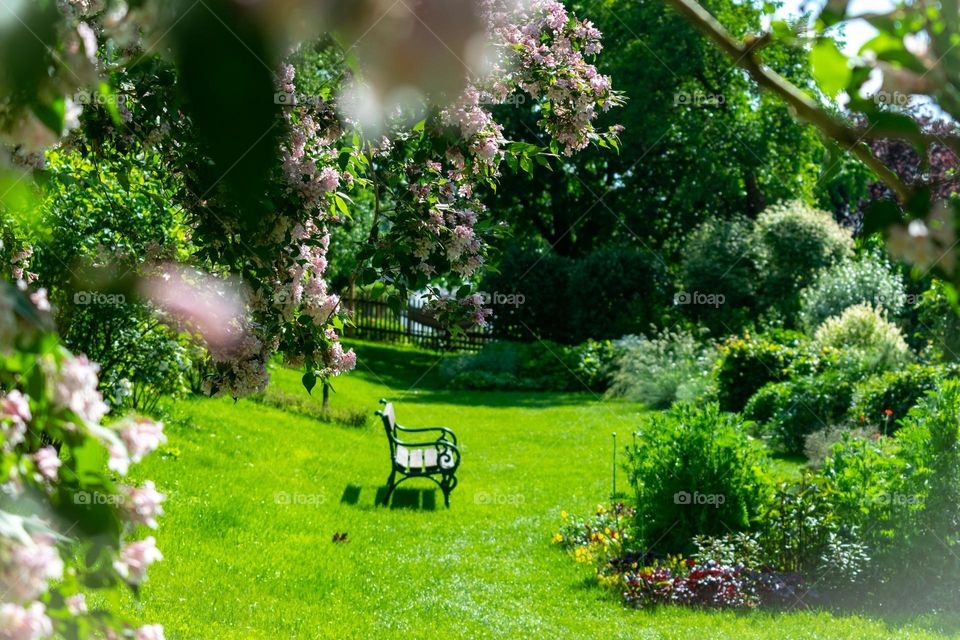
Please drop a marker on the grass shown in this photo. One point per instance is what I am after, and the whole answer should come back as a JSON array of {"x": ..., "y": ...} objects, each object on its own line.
[{"x": 256, "y": 495}]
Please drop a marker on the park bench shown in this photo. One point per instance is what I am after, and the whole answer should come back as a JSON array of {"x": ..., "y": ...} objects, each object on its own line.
[{"x": 428, "y": 458}]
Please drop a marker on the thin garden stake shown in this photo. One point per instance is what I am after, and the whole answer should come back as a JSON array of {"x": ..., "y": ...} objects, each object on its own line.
[{"x": 613, "y": 498}]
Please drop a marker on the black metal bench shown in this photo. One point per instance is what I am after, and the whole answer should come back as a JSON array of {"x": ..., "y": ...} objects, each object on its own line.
[{"x": 424, "y": 459}]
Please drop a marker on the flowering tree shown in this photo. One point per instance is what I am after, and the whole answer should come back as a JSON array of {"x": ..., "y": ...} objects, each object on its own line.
[{"x": 265, "y": 169}]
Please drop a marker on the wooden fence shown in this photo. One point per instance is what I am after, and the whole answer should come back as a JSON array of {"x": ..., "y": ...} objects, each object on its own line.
[{"x": 375, "y": 320}]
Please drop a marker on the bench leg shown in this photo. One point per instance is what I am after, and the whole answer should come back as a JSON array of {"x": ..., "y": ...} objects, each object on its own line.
[
  {"x": 447, "y": 485},
  {"x": 390, "y": 487}
]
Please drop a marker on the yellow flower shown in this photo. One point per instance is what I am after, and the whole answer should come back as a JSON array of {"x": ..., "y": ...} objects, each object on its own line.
[
  {"x": 557, "y": 537},
  {"x": 563, "y": 514}
]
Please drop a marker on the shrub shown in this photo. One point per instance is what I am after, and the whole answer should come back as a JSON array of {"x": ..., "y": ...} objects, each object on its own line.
[
  {"x": 661, "y": 370},
  {"x": 820, "y": 443},
  {"x": 746, "y": 364},
  {"x": 618, "y": 289},
  {"x": 795, "y": 242},
  {"x": 720, "y": 258},
  {"x": 902, "y": 496},
  {"x": 866, "y": 281},
  {"x": 895, "y": 392},
  {"x": 791, "y": 410},
  {"x": 940, "y": 323},
  {"x": 541, "y": 279},
  {"x": 696, "y": 472},
  {"x": 543, "y": 366},
  {"x": 864, "y": 333}
]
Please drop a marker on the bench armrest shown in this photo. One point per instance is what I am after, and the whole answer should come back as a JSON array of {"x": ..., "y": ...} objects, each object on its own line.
[{"x": 448, "y": 435}]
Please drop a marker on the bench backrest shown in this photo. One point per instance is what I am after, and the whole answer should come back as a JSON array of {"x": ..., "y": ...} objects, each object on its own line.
[{"x": 389, "y": 425}]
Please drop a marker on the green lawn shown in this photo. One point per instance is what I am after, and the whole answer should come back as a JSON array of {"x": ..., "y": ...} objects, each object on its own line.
[{"x": 255, "y": 496}]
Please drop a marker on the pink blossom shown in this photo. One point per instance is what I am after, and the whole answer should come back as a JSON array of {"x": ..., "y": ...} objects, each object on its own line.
[
  {"x": 29, "y": 567},
  {"x": 143, "y": 504},
  {"x": 149, "y": 632},
  {"x": 15, "y": 405},
  {"x": 76, "y": 604},
  {"x": 119, "y": 459},
  {"x": 142, "y": 436},
  {"x": 48, "y": 463},
  {"x": 19, "y": 623},
  {"x": 197, "y": 300},
  {"x": 39, "y": 300},
  {"x": 135, "y": 558},
  {"x": 76, "y": 389}
]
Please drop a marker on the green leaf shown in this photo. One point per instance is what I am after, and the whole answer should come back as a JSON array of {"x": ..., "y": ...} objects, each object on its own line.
[
  {"x": 309, "y": 380},
  {"x": 341, "y": 205},
  {"x": 830, "y": 67}
]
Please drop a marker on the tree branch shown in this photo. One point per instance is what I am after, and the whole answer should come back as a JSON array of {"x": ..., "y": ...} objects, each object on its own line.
[{"x": 743, "y": 55}]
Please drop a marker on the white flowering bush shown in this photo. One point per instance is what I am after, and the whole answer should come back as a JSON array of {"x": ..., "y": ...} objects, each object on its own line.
[
  {"x": 68, "y": 525},
  {"x": 865, "y": 281}
]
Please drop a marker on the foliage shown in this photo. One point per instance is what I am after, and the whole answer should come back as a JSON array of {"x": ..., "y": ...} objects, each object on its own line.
[
  {"x": 795, "y": 242},
  {"x": 868, "y": 280},
  {"x": 658, "y": 371},
  {"x": 531, "y": 290},
  {"x": 939, "y": 321},
  {"x": 623, "y": 288},
  {"x": 542, "y": 365},
  {"x": 790, "y": 410},
  {"x": 67, "y": 527},
  {"x": 863, "y": 332},
  {"x": 748, "y": 363},
  {"x": 913, "y": 220},
  {"x": 885, "y": 398},
  {"x": 696, "y": 472},
  {"x": 720, "y": 258},
  {"x": 101, "y": 221}
]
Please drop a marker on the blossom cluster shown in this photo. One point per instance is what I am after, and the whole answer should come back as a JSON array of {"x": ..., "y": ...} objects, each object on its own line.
[{"x": 43, "y": 431}]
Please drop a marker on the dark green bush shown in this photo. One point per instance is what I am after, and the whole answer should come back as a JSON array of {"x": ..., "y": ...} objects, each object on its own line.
[
  {"x": 790, "y": 410},
  {"x": 541, "y": 280},
  {"x": 696, "y": 472},
  {"x": 894, "y": 391},
  {"x": 748, "y": 363},
  {"x": 618, "y": 290},
  {"x": 720, "y": 258},
  {"x": 615, "y": 291}
]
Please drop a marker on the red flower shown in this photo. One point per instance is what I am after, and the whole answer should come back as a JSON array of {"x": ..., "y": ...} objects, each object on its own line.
[{"x": 888, "y": 412}]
